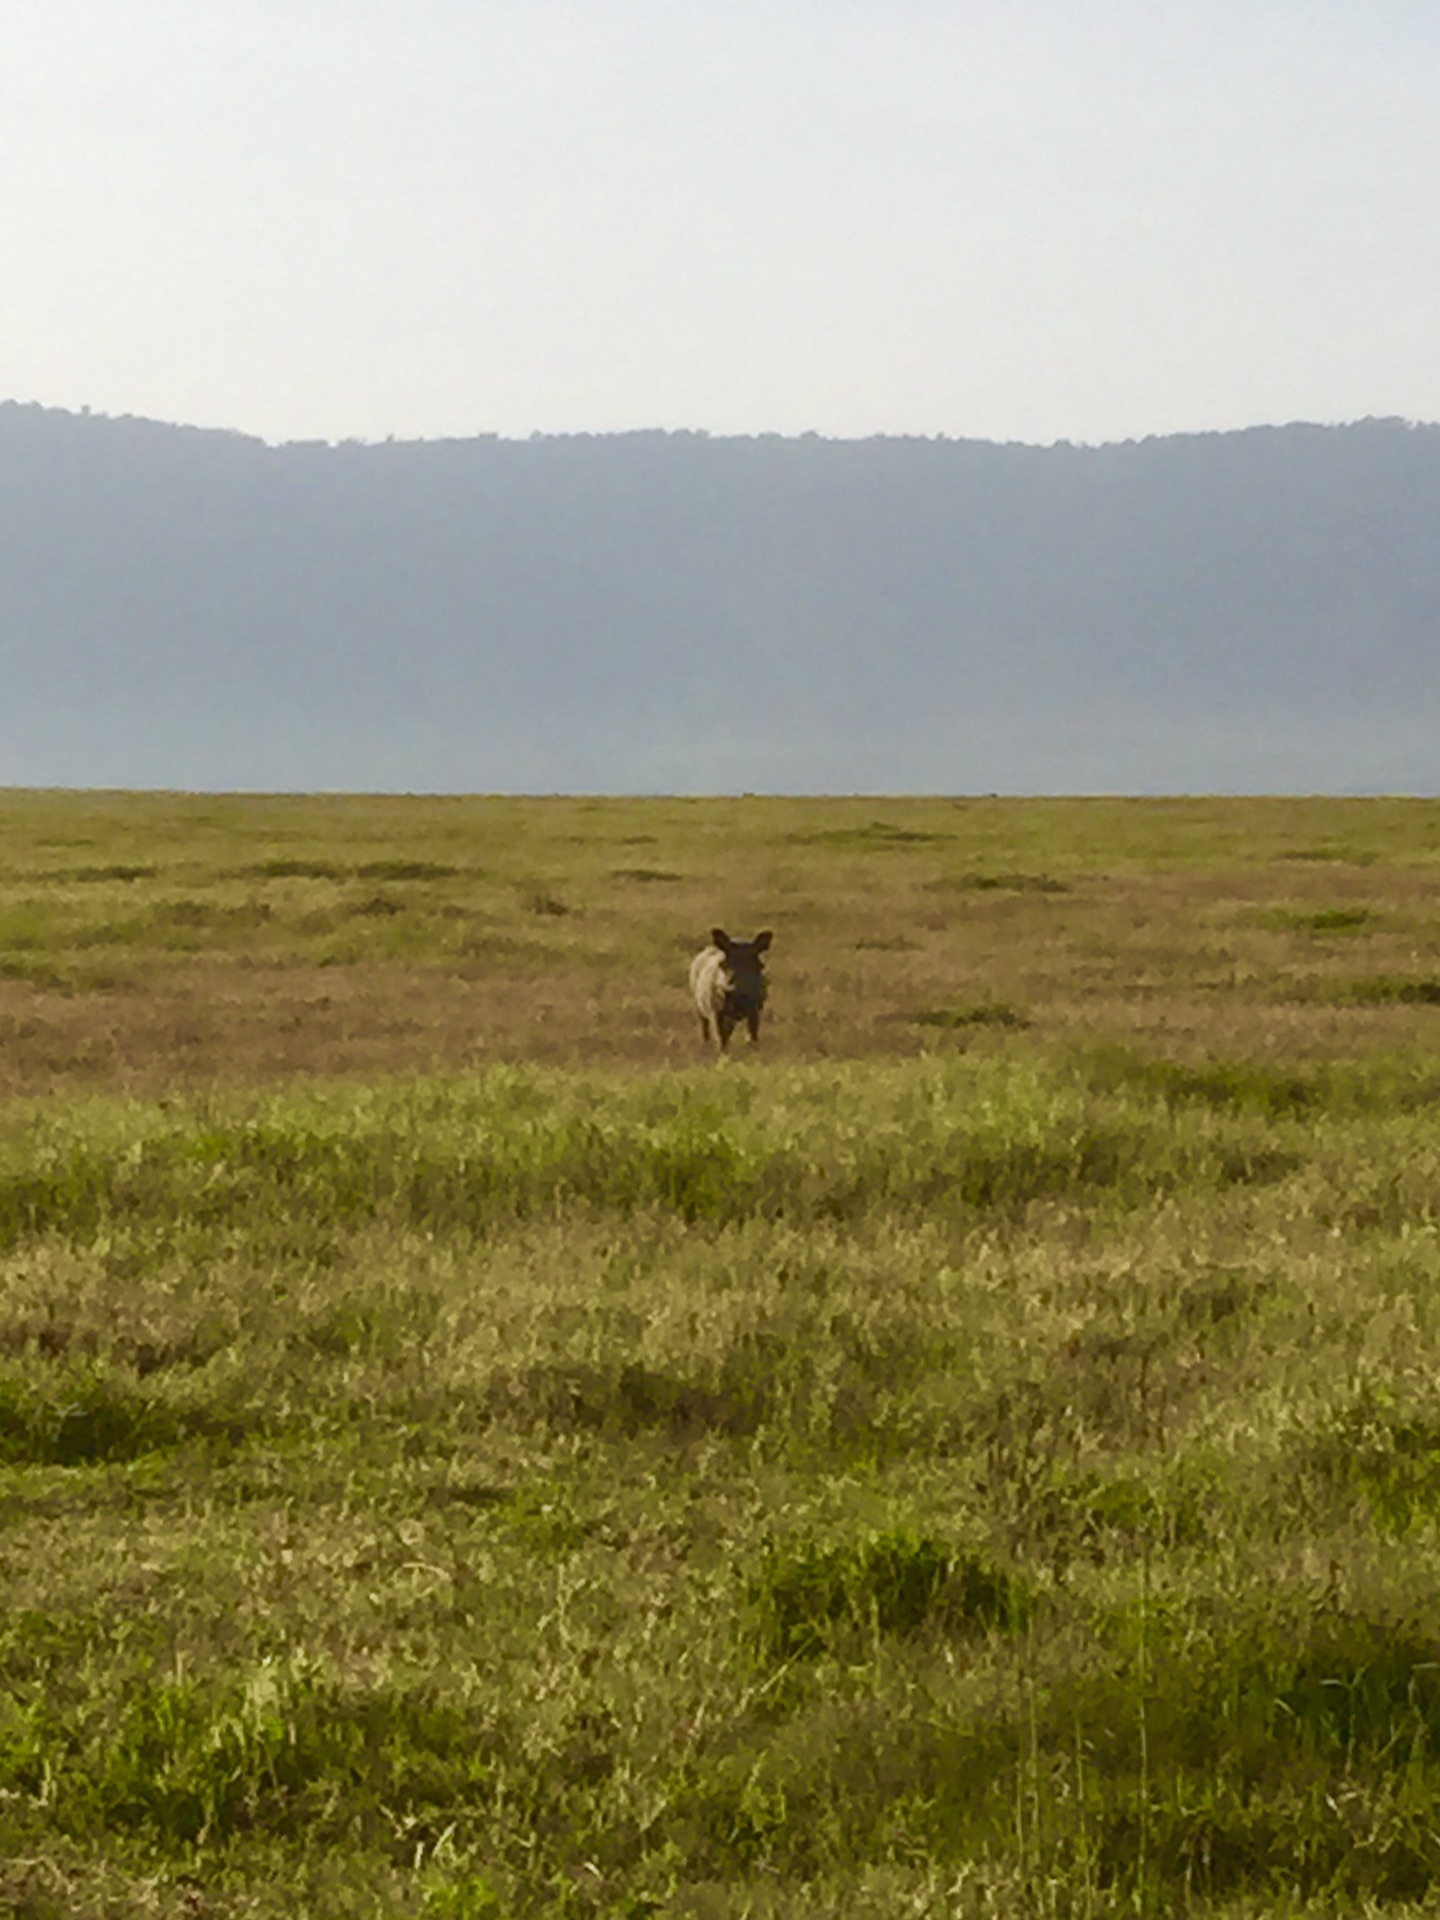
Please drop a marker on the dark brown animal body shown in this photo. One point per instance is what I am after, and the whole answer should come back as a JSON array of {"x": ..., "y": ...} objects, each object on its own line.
[{"x": 728, "y": 982}]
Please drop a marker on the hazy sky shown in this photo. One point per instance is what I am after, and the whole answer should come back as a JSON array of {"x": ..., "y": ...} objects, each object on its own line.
[{"x": 1026, "y": 219}]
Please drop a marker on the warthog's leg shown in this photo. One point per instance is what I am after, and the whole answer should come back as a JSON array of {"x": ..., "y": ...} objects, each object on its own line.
[
  {"x": 705, "y": 1034},
  {"x": 752, "y": 1021},
  {"x": 724, "y": 1027}
]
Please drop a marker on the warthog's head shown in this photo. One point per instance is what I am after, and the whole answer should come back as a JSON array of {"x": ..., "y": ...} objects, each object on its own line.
[{"x": 744, "y": 970}]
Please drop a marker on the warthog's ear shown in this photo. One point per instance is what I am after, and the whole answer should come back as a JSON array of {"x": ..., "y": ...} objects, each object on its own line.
[
  {"x": 719, "y": 938},
  {"x": 762, "y": 940}
]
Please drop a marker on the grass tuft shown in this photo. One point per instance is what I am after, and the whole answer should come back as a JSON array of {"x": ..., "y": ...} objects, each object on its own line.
[
  {"x": 1240, "y": 1086},
  {"x": 875, "y": 834},
  {"x": 975, "y": 882},
  {"x": 118, "y": 870},
  {"x": 71, "y": 1417},
  {"x": 1378, "y": 990},
  {"x": 986, "y": 1013},
  {"x": 809, "y": 1599},
  {"x": 1375, "y": 1449},
  {"x": 288, "y": 868},
  {"x": 1338, "y": 919}
]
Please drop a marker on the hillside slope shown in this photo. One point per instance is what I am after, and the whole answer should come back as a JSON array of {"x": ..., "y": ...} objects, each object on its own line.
[{"x": 648, "y": 611}]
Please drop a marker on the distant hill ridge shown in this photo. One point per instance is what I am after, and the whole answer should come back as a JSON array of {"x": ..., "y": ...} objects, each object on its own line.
[{"x": 637, "y": 612}]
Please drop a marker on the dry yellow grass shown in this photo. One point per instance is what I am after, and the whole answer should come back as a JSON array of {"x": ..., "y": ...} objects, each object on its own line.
[{"x": 157, "y": 940}]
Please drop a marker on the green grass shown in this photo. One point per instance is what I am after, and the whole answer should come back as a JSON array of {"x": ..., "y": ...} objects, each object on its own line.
[
  {"x": 781, "y": 1492},
  {"x": 978, "y": 1457}
]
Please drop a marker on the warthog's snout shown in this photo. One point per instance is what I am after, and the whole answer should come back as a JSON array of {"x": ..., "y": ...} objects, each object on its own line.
[{"x": 728, "y": 982}]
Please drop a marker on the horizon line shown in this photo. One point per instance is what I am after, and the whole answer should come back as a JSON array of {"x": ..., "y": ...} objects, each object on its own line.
[{"x": 804, "y": 435}]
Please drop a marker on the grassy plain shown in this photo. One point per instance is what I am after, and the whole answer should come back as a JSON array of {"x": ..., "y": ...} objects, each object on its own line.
[{"x": 463, "y": 1455}]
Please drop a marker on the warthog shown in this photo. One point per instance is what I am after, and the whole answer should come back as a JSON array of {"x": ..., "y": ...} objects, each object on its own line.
[{"x": 728, "y": 982}]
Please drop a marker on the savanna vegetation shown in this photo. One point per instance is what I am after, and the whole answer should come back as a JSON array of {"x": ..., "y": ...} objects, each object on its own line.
[{"x": 464, "y": 1454}]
